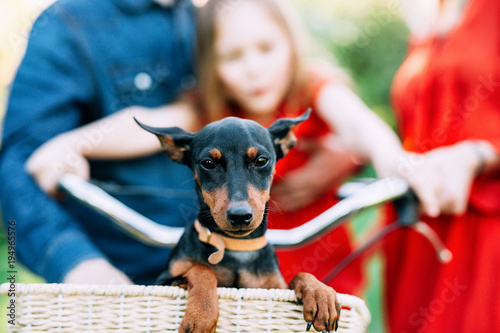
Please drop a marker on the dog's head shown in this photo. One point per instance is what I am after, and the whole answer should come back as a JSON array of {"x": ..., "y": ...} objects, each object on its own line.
[{"x": 233, "y": 162}]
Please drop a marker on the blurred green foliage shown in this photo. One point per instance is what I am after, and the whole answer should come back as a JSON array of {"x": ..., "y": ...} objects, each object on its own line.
[{"x": 365, "y": 37}]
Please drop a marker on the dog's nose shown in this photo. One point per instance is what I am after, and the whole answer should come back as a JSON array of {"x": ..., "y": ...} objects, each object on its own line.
[{"x": 240, "y": 214}]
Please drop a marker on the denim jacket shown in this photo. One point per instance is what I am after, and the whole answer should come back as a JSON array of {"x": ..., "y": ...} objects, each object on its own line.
[{"x": 87, "y": 59}]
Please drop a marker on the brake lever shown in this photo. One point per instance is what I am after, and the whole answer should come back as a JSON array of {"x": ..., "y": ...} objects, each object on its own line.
[{"x": 408, "y": 212}]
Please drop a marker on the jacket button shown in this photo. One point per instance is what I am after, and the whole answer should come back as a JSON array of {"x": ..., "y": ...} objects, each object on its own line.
[{"x": 143, "y": 81}]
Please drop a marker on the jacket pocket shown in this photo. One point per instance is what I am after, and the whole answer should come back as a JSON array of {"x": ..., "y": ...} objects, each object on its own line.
[{"x": 141, "y": 82}]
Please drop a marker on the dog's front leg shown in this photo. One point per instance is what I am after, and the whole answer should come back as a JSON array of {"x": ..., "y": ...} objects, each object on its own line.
[
  {"x": 202, "y": 310},
  {"x": 321, "y": 307}
]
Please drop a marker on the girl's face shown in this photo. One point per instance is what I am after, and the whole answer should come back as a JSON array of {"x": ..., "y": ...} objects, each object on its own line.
[{"x": 253, "y": 59}]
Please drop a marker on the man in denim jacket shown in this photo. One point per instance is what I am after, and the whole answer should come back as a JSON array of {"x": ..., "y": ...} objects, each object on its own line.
[{"x": 85, "y": 60}]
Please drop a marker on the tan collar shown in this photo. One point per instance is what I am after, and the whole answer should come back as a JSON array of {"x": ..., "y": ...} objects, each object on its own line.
[{"x": 221, "y": 243}]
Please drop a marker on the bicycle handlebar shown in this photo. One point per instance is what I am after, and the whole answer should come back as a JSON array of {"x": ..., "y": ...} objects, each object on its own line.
[{"x": 152, "y": 233}]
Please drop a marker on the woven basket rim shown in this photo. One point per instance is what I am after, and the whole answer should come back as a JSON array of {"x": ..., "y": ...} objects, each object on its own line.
[{"x": 256, "y": 294}]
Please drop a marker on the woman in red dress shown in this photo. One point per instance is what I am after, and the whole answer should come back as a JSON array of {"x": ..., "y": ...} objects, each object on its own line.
[{"x": 447, "y": 98}]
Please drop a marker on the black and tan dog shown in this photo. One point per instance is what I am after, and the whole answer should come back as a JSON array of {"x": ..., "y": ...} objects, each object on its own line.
[{"x": 233, "y": 162}]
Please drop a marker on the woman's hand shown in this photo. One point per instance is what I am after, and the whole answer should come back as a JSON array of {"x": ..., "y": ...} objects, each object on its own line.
[
  {"x": 54, "y": 158},
  {"x": 330, "y": 164},
  {"x": 442, "y": 178}
]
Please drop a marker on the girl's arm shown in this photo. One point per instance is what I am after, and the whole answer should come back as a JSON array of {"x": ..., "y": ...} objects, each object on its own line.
[
  {"x": 114, "y": 137},
  {"x": 369, "y": 136},
  {"x": 360, "y": 129},
  {"x": 118, "y": 136},
  {"x": 441, "y": 178},
  {"x": 305, "y": 185}
]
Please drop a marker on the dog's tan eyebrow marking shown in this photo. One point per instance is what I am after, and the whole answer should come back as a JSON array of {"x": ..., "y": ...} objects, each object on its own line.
[
  {"x": 216, "y": 154},
  {"x": 252, "y": 152}
]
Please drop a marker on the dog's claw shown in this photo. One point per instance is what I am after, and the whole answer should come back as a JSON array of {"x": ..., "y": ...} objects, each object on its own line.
[
  {"x": 336, "y": 325},
  {"x": 309, "y": 324}
]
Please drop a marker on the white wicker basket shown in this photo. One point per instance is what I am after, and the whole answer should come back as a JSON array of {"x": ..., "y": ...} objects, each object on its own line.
[{"x": 90, "y": 308}]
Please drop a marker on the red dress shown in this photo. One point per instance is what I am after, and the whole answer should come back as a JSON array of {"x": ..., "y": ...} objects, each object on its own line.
[
  {"x": 446, "y": 91},
  {"x": 324, "y": 253}
]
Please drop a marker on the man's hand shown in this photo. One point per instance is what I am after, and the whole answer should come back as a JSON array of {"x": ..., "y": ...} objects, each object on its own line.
[
  {"x": 96, "y": 271},
  {"x": 54, "y": 158}
]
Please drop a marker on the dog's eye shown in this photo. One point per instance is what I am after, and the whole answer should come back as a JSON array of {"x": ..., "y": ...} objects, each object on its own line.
[
  {"x": 261, "y": 161},
  {"x": 208, "y": 164}
]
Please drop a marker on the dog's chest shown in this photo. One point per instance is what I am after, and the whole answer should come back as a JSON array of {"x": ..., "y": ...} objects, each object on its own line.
[
  {"x": 242, "y": 257},
  {"x": 234, "y": 266},
  {"x": 248, "y": 270}
]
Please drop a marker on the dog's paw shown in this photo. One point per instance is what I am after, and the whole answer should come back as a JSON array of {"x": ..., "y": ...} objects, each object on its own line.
[
  {"x": 200, "y": 323},
  {"x": 202, "y": 313},
  {"x": 321, "y": 307}
]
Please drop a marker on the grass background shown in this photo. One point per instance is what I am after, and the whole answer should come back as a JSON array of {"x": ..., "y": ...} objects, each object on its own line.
[{"x": 365, "y": 37}]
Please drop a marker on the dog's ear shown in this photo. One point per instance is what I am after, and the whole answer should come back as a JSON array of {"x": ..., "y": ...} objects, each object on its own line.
[
  {"x": 282, "y": 135},
  {"x": 174, "y": 140}
]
